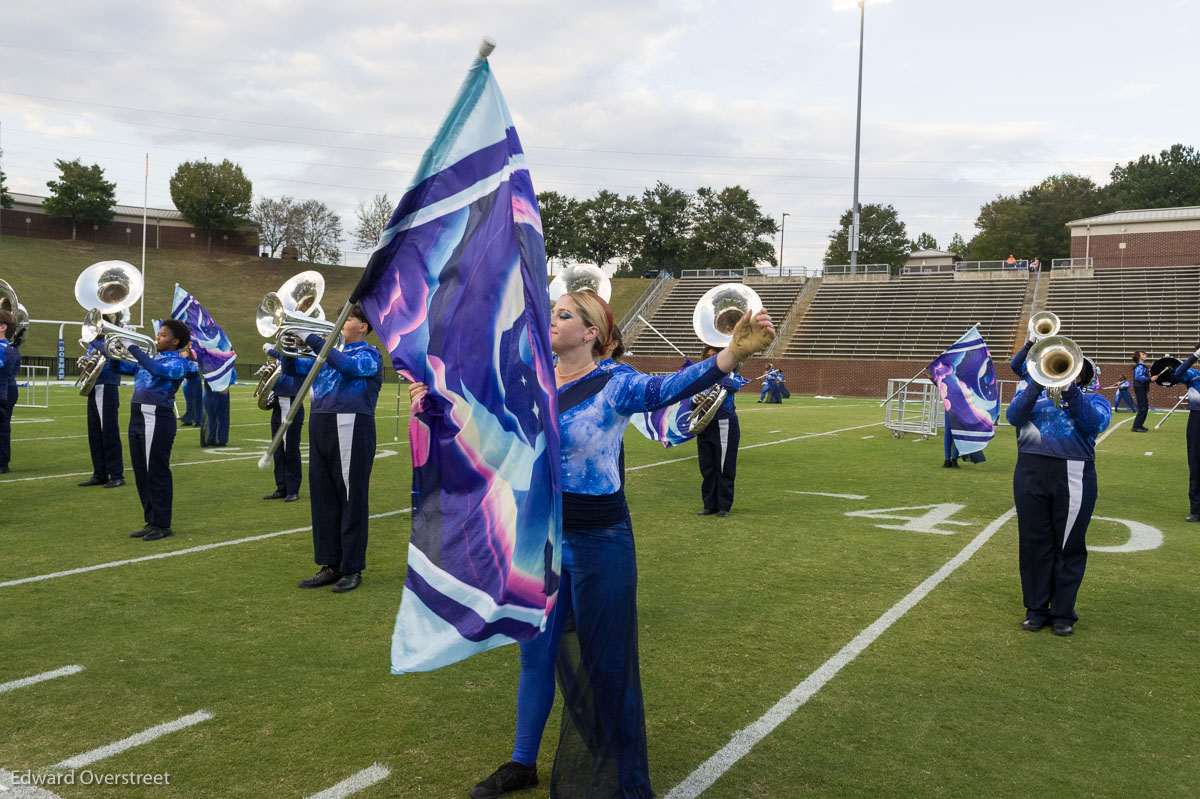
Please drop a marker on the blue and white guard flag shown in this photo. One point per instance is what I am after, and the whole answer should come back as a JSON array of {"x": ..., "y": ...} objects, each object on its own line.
[
  {"x": 214, "y": 352},
  {"x": 966, "y": 379}
]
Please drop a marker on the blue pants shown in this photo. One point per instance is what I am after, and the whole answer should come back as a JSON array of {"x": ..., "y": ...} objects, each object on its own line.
[
  {"x": 214, "y": 432},
  {"x": 193, "y": 398},
  {"x": 5, "y": 431},
  {"x": 597, "y": 604},
  {"x": 1055, "y": 499},
  {"x": 1193, "y": 455},
  {"x": 341, "y": 451},
  {"x": 288, "y": 471},
  {"x": 716, "y": 450},
  {"x": 1123, "y": 396},
  {"x": 104, "y": 432},
  {"x": 151, "y": 436},
  {"x": 1142, "y": 392}
]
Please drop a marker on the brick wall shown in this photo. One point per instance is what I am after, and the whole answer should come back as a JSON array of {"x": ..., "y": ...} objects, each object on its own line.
[
  {"x": 171, "y": 237},
  {"x": 1166, "y": 248}
]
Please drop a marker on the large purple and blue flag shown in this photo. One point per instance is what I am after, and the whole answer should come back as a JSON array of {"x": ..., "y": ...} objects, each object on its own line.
[
  {"x": 214, "y": 353},
  {"x": 457, "y": 291},
  {"x": 966, "y": 379}
]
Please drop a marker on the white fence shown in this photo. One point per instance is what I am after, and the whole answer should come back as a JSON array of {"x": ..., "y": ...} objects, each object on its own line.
[{"x": 28, "y": 385}]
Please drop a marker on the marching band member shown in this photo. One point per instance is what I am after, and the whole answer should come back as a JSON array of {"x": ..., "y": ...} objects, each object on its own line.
[
  {"x": 1141, "y": 391},
  {"x": 602, "y": 752},
  {"x": 288, "y": 471},
  {"x": 717, "y": 448},
  {"x": 193, "y": 392},
  {"x": 341, "y": 451},
  {"x": 10, "y": 357},
  {"x": 103, "y": 423},
  {"x": 1054, "y": 486},
  {"x": 1186, "y": 374},
  {"x": 152, "y": 426},
  {"x": 214, "y": 427}
]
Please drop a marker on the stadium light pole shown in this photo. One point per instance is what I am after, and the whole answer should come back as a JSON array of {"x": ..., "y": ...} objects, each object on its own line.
[
  {"x": 854, "y": 219},
  {"x": 782, "y": 223}
]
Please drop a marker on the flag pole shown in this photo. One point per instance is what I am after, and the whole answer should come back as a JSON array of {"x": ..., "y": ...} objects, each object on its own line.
[
  {"x": 265, "y": 461},
  {"x": 660, "y": 335},
  {"x": 145, "y": 203}
]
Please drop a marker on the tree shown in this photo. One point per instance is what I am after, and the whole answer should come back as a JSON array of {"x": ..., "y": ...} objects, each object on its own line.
[
  {"x": 372, "y": 221},
  {"x": 81, "y": 194},
  {"x": 925, "y": 242},
  {"x": 882, "y": 238},
  {"x": 560, "y": 222},
  {"x": 6, "y": 200},
  {"x": 958, "y": 246},
  {"x": 211, "y": 197},
  {"x": 661, "y": 230},
  {"x": 275, "y": 219},
  {"x": 729, "y": 231},
  {"x": 316, "y": 232},
  {"x": 1172, "y": 179},
  {"x": 603, "y": 228},
  {"x": 1034, "y": 223}
]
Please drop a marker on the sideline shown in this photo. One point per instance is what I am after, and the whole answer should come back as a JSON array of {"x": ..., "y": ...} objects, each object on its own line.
[
  {"x": 65, "y": 671},
  {"x": 745, "y": 739}
]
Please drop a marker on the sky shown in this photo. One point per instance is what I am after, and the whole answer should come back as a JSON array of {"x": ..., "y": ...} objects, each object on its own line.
[{"x": 962, "y": 101}]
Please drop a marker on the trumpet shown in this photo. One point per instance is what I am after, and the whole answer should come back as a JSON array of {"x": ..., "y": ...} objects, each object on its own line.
[
  {"x": 714, "y": 318},
  {"x": 1054, "y": 362},
  {"x": 581, "y": 277},
  {"x": 1043, "y": 324},
  {"x": 288, "y": 316},
  {"x": 107, "y": 290}
]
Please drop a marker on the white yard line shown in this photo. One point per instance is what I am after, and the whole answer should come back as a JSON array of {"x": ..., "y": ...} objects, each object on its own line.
[
  {"x": 745, "y": 739},
  {"x": 363, "y": 779},
  {"x": 752, "y": 446},
  {"x": 143, "y": 737},
  {"x": 188, "y": 551},
  {"x": 65, "y": 671},
  {"x": 835, "y": 496}
]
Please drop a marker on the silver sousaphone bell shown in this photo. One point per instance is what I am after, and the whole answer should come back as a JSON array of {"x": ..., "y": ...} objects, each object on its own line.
[
  {"x": 713, "y": 320},
  {"x": 107, "y": 290},
  {"x": 581, "y": 277}
]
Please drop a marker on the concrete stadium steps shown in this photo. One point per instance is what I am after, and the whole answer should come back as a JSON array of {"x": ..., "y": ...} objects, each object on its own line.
[
  {"x": 674, "y": 317},
  {"x": 909, "y": 318},
  {"x": 1116, "y": 311}
]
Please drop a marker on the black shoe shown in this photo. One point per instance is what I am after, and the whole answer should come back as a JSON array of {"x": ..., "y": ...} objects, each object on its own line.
[
  {"x": 1140, "y": 429},
  {"x": 1061, "y": 629},
  {"x": 1032, "y": 625},
  {"x": 139, "y": 533},
  {"x": 276, "y": 494},
  {"x": 3, "y": 470},
  {"x": 721, "y": 514},
  {"x": 291, "y": 498},
  {"x": 348, "y": 583},
  {"x": 116, "y": 482},
  {"x": 1193, "y": 517},
  {"x": 93, "y": 481},
  {"x": 705, "y": 512},
  {"x": 946, "y": 464},
  {"x": 326, "y": 576},
  {"x": 512, "y": 776},
  {"x": 157, "y": 533}
]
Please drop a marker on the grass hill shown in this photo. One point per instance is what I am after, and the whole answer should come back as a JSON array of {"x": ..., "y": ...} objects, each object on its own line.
[{"x": 43, "y": 273}]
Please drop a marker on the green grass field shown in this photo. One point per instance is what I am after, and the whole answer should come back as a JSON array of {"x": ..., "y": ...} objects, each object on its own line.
[{"x": 951, "y": 699}]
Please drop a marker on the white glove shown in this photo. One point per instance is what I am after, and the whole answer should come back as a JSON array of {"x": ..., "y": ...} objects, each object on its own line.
[{"x": 267, "y": 348}]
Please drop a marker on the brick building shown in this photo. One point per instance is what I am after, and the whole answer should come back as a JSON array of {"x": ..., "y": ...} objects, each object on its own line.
[
  {"x": 1151, "y": 237},
  {"x": 165, "y": 228}
]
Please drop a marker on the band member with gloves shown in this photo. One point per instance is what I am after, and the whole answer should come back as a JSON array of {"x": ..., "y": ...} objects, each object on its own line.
[
  {"x": 1054, "y": 486},
  {"x": 10, "y": 358},
  {"x": 341, "y": 451},
  {"x": 103, "y": 425},
  {"x": 152, "y": 426},
  {"x": 1141, "y": 391},
  {"x": 1190, "y": 376},
  {"x": 717, "y": 448},
  {"x": 288, "y": 472}
]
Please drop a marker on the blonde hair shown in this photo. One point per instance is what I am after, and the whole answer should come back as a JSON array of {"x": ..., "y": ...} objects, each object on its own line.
[{"x": 594, "y": 312}]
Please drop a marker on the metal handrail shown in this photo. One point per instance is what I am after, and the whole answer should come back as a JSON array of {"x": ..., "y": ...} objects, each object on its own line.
[
  {"x": 787, "y": 320},
  {"x": 857, "y": 269},
  {"x": 1071, "y": 263},
  {"x": 989, "y": 266},
  {"x": 647, "y": 297}
]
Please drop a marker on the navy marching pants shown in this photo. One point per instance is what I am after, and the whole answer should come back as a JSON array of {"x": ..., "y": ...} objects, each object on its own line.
[
  {"x": 1142, "y": 392},
  {"x": 104, "y": 432},
  {"x": 5, "y": 431},
  {"x": 214, "y": 429},
  {"x": 341, "y": 452},
  {"x": 151, "y": 436},
  {"x": 193, "y": 402},
  {"x": 1193, "y": 456},
  {"x": 716, "y": 449},
  {"x": 1055, "y": 499},
  {"x": 287, "y": 458}
]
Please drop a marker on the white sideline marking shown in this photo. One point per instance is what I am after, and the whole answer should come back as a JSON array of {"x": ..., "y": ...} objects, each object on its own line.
[
  {"x": 1111, "y": 428},
  {"x": 187, "y": 551},
  {"x": 30, "y": 421},
  {"x": 864, "y": 438},
  {"x": 1149, "y": 453},
  {"x": 145, "y": 736},
  {"x": 823, "y": 494},
  {"x": 363, "y": 779},
  {"x": 65, "y": 671},
  {"x": 752, "y": 446},
  {"x": 744, "y": 740}
]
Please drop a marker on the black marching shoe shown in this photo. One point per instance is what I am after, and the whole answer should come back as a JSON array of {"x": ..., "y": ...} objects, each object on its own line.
[
  {"x": 705, "y": 512},
  {"x": 1193, "y": 517},
  {"x": 158, "y": 532},
  {"x": 1061, "y": 629},
  {"x": 116, "y": 482},
  {"x": 1032, "y": 625},
  {"x": 512, "y": 776},
  {"x": 139, "y": 533},
  {"x": 326, "y": 576},
  {"x": 276, "y": 494},
  {"x": 721, "y": 514},
  {"x": 348, "y": 583},
  {"x": 3, "y": 470},
  {"x": 93, "y": 481},
  {"x": 291, "y": 498}
]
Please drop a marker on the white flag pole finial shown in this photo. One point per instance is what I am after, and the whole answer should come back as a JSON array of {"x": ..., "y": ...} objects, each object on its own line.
[{"x": 486, "y": 47}]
